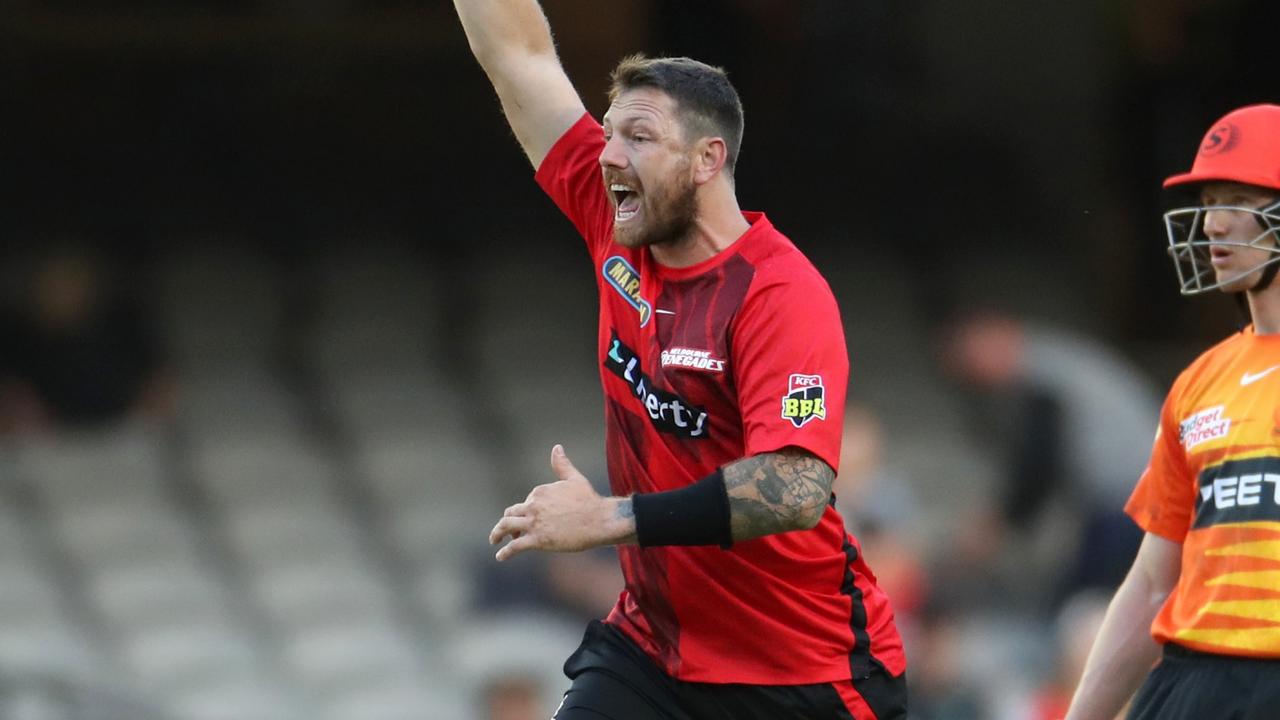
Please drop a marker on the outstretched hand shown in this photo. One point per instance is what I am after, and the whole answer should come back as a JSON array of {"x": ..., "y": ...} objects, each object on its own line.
[{"x": 567, "y": 515}]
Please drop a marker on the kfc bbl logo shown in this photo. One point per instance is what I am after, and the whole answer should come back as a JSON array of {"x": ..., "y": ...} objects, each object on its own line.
[{"x": 803, "y": 401}]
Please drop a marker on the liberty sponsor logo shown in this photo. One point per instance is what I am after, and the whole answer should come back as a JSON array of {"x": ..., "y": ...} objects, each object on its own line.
[
  {"x": 1204, "y": 426},
  {"x": 1239, "y": 491},
  {"x": 804, "y": 400},
  {"x": 692, "y": 359},
  {"x": 626, "y": 281},
  {"x": 668, "y": 412}
]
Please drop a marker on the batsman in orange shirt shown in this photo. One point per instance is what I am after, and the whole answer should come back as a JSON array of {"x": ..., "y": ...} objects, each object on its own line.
[{"x": 1203, "y": 595}]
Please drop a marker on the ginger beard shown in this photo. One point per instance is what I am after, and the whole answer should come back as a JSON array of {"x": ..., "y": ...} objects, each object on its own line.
[{"x": 664, "y": 215}]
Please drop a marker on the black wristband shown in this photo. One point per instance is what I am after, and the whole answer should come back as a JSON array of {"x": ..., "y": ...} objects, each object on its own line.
[{"x": 693, "y": 515}]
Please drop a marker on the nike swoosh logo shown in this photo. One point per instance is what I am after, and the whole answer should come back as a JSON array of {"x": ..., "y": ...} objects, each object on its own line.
[{"x": 1251, "y": 378}]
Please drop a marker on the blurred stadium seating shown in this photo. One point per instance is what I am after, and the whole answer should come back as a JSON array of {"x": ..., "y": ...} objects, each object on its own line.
[{"x": 302, "y": 540}]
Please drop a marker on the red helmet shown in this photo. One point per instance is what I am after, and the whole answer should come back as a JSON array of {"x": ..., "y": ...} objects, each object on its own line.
[{"x": 1242, "y": 147}]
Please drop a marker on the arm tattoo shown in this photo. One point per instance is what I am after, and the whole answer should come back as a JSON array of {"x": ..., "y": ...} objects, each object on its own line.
[{"x": 776, "y": 492}]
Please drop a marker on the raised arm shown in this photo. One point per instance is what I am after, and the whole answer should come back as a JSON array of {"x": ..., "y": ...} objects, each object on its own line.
[
  {"x": 512, "y": 41},
  {"x": 761, "y": 495},
  {"x": 1124, "y": 650}
]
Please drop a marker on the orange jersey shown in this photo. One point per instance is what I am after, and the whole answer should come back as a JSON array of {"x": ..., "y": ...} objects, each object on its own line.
[{"x": 1213, "y": 484}]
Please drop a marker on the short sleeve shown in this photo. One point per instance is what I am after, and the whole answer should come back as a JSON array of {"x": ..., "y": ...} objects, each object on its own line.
[
  {"x": 1164, "y": 500},
  {"x": 791, "y": 367},
  {"x": 570, "y": 175}
]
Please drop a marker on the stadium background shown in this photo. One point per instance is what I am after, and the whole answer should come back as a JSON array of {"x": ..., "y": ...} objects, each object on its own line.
[{"x": 369, "y": 326}]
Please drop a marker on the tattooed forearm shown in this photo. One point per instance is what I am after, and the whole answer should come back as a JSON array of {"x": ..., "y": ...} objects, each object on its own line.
[{"x": 777, "y": 492}]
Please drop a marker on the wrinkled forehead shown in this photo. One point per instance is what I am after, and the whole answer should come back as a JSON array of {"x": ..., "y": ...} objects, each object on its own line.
[{"x": 642, "y": 103}]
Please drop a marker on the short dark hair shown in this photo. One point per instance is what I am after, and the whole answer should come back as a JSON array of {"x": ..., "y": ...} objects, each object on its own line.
[{"x": 706, "y": 103}]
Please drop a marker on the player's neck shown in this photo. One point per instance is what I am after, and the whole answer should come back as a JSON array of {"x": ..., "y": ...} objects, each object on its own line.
[
  {"x": 719, "y": 224},
  {"x": 1264, "y": 307}
]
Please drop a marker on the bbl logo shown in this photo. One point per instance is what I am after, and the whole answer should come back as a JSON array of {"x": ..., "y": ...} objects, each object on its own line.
[{"x": 803, "y": 401}]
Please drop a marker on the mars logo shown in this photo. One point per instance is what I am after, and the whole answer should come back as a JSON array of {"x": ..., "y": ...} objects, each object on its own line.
[
  {"x": 803, "y": 401},
  {"x": 1221, "y": 139},
  {"x": 626, "y": 281}
]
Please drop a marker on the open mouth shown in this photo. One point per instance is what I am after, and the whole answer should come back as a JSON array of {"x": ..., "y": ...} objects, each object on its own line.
[{"x": 626, "y": 201}]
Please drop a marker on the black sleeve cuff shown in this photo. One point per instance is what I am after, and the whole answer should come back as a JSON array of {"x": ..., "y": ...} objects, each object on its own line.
[{"x": 693, "y": 515}]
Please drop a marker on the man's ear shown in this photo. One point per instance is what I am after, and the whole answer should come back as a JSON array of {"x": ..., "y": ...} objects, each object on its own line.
[{"x": 709, "y": 157}]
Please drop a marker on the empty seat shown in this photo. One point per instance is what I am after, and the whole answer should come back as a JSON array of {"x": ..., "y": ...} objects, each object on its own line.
[
  {"x": 221, "y": 306},
  {"x": 367, "y": 406},
  {"x": 250, "y": 402},
  {"x": 370, "y": 280},
  {"x": 525, "y": 644},
  {"x": 175, "y": 656},
  {"x": 49, "y": 645},
  {"x": 369, "y": 346},
  {"x": 238, "y": 698},
  {"x": 16, "y": 542},
  {"x": 29, "y": 595},
  {"x": 126, "y": 534},
  {"x": 271, "y": 536},
  {"x": 399, "y": 699},
  {"x": 446, "y": 469},
  {"x": 248, "y": 470},
  {"x": 443, "y": 586},
  {"x": 87, "y": 468},
  {"x": 157, "y": 595},
  {"x": 326, "y": 592},
  {"x": 329, "y": 658},
  {"x": 435, "y": 493}
]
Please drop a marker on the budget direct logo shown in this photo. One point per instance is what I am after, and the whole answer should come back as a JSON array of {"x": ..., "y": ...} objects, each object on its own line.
[
  {"x": 1204, "y": 426},
  {"x": 624, "y": 278},
  {"x": 804, "y": 400}
]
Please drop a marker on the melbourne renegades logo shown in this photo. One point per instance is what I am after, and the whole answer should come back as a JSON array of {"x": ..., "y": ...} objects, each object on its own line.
[{"x": 804, "y": 400}]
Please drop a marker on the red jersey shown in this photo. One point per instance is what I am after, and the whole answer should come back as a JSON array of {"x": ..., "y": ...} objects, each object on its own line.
[
  {"x": 1214, "y": 485},
  {"x": 738, "y": 355}
]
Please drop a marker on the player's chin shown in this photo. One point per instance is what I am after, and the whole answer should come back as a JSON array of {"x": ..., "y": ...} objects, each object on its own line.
[
  {"x": 629, "y": 237},
  {"x": 1234, "y": 281}
]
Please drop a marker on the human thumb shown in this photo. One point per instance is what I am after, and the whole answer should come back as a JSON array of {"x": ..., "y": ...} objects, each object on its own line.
[{"x": 560, "y": 464}]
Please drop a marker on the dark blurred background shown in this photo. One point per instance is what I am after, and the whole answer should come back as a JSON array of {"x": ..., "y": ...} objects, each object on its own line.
[
  {"x": 277, "y": 290},
  {"x": 941, "y": 130}
]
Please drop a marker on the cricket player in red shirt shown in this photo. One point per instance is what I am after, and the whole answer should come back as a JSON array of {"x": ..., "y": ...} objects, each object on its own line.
[{"x": 724, "y": 368}]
